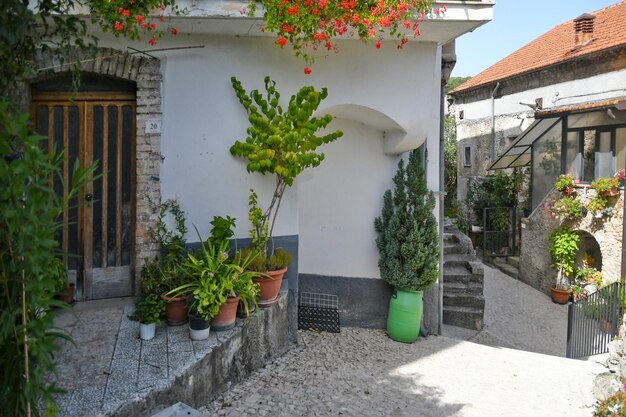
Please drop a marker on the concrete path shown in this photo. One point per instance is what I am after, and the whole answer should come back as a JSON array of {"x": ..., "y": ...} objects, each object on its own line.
[
  {"x": 363, "y": 373},
  {"x": 518, "y": 316}
]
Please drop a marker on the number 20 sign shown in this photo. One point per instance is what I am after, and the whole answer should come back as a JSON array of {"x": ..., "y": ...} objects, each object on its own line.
[{"x": 153, "y": 126}]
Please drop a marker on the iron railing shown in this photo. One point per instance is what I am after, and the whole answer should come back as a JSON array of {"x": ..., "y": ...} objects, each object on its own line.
[
  {"x": 499, "y": 231},
  {"x": 595, "y": 320}
]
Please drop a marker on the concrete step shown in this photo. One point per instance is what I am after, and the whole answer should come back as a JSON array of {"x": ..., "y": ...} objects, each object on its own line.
[
  {"x": 456, "y": 274},
  {"x": 452, "y": 248},
  {"x": 513, "y": 261},
  {"x": 474, "y": 288},
  {"x": 450, "y": 237},
  {"x": 464, "y": 300},
  {"x": 505, "y": 267},
  {"x": 467, "y": 317},
  {"x": 460, "y": 259}
]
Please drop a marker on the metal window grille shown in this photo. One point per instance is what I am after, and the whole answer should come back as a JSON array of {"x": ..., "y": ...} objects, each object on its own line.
[{"x": 318, "y": 312}]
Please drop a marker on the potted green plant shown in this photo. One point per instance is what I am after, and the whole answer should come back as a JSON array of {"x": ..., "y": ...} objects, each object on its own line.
[
  {"x": 148, "y": 310},
  {"x": 408, "y": 246},
  {"x": 607, "y": 187},
  {"x": 282, "y": 144},
  {"x": 563, "y": 246},
  {"x": 565, "y": 184},
  {"x": 165, "y": 272},
  {"x": 566, "y": 208},
  {"x": 63, "y": 288},
  {"x": 244, "y": 287},
  {"x": 212, "y": 278},
  {"x": 597, "y": 205}
]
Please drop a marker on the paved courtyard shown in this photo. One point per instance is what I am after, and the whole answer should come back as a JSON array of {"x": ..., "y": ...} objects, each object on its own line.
[{"x": 363, "y": 373}]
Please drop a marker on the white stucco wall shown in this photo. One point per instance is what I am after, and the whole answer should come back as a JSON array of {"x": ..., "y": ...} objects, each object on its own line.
[
  {"x": 599, "y": 87},
  {"x": 339, "y": 200},
  {"x": 331, "y": 208}
]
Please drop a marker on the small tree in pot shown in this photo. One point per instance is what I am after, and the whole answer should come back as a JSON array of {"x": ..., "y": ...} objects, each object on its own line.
[
  {"x": 282, "y": 144},
  {"x": 408, "y": 246},
  {"x": 563, "y": 248}
]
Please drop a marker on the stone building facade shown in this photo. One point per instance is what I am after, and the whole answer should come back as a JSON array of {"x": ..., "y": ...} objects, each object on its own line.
[{"x": 602, "y": 238}]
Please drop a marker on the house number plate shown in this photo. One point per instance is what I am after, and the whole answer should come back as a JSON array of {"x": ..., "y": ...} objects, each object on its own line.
[{"x": 153, "y": 126}]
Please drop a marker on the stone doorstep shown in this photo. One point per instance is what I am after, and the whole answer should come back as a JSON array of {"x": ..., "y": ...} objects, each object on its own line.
[{"x": 146, "y": 376}]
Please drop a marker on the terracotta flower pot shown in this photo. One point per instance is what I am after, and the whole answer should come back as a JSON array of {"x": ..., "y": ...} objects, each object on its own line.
[
  {"x": 175, "y": 310},
  {"x": 270, "y": 287},
  {"x": 610, "y": 193},
  {"x": 225, "y": 319},
  {"x": 561, "y": 296},
  {"x": 66, "y": 295}
]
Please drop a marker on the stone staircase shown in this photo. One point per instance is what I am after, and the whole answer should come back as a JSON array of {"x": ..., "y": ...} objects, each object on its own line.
[{"x": 463, "y": 272}]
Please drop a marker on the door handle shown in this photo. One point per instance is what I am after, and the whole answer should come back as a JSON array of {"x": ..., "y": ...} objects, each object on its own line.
[{"x": 88, "y": 197}]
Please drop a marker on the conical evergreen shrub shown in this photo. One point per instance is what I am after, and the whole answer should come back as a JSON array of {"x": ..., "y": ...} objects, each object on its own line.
[{"x": 407, "y": 230}]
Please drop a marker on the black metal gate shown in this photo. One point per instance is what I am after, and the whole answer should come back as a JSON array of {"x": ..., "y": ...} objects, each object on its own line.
[
  {"x": 594, "y": 321},
  {"x": 499, "y": 231}
]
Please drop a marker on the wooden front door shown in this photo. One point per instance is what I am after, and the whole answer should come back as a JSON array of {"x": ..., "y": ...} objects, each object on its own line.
[{"x": 97, "y": 237}]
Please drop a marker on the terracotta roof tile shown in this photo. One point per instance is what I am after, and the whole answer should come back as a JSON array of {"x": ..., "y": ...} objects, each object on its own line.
[{"x": 557, "y": 45}]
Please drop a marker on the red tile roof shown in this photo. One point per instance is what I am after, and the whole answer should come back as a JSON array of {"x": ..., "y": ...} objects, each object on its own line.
[{"x": 557, "y": 45}]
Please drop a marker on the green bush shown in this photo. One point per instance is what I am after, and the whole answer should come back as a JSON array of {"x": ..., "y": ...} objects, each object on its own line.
[
  {"x": 407, "y": 240},
  {"x": 30, "y": 273}
]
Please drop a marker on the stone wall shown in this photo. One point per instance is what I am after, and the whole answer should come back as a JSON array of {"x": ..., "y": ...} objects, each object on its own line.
[
  {"x": 146, "y": 73},
  {"x": 535, "y": 259}
]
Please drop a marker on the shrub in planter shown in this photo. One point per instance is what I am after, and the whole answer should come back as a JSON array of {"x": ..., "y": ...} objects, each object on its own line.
[
  {"x": 566, "y": 208},
  {"x": 565, "y": 183},
  {"x": 408, "y": 245},
  {"x": 613, "y": 406},
  {"x": 563, "y": 246},
  {"x": 281, "y": 143},
  {"x": 605, "y": 186}
]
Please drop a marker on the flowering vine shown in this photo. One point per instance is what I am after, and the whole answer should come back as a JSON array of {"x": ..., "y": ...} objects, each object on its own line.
[
  {"x": 134, "y": 18},
  {"x": 312, "y": 25}
]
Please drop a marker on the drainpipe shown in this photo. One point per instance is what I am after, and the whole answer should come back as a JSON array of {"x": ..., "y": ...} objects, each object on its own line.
[
  {"x": 448, "y": 60},
  {"x": 493, "y": 122},
  {"x": 442, "y": 194}
]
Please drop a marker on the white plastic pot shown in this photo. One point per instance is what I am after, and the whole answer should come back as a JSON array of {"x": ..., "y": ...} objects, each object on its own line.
[{"x": 146, "y": 331}]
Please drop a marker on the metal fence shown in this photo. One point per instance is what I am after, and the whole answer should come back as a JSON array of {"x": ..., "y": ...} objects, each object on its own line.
[
  {"x": 499, "y": 231},
  {"x": 595, "y": 320}
]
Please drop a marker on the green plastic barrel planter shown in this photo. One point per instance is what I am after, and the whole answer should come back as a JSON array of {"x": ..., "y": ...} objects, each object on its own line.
[{"x": 405, "y": 315}]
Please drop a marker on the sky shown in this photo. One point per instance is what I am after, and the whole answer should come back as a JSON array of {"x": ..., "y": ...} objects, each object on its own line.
[{"x": 515, "y": 23}]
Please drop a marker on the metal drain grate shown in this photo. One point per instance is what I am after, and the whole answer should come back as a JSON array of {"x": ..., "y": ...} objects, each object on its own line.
[{"x": 318, "y": 312}]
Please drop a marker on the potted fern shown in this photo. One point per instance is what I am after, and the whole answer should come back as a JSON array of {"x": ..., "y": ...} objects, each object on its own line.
[
  {"x": 282, "y": 144},
  {"x": 408, "y": 246}
]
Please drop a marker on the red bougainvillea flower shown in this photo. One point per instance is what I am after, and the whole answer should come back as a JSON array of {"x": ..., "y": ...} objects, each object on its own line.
[
  {"x": 126, "y": 13},
  {"x": 119, "y": 26},
  {"x": 281, "y": 41},
  {"x": 174, "y": 31},
  {"x": 139, "y": 19},
  {"x": 153, "y": 26},
  {"x": 308, "y": 25},
  {"x": 152, "y": 41},
  {"x": 307, "y": 70},
  {"x": 378, "y": 45}
]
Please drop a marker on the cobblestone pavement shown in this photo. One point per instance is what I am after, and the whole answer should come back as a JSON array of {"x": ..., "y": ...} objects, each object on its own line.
[{"x": 362, "y": 372}]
